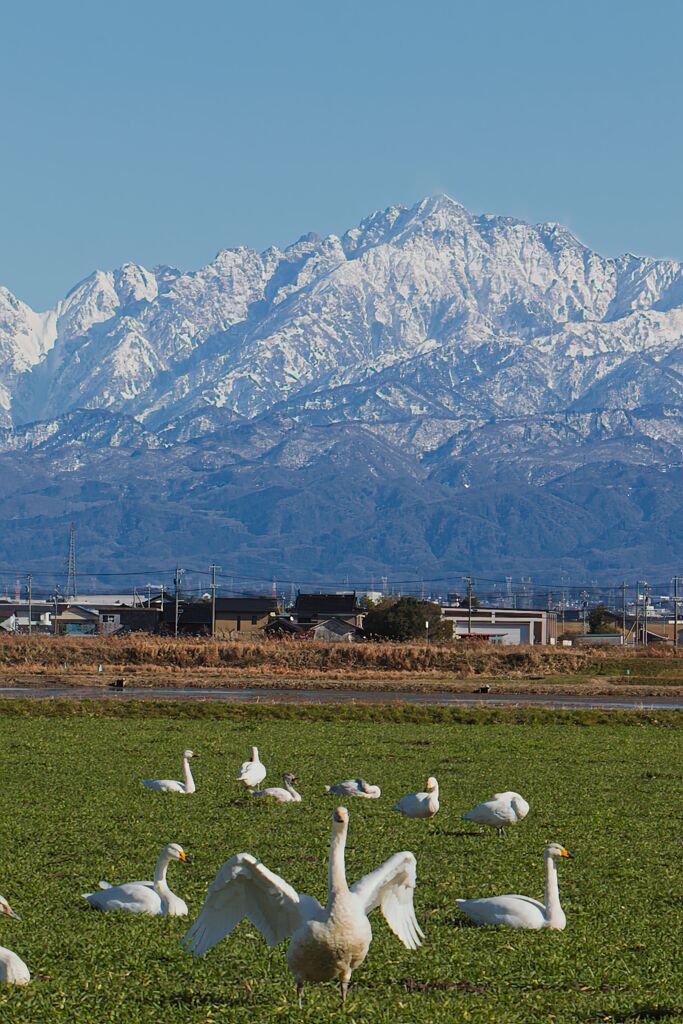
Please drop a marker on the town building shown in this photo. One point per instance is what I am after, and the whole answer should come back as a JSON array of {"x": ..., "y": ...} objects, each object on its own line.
[
  {"x": 311, "y": 608},
  {"x": 503, "y": 625}
]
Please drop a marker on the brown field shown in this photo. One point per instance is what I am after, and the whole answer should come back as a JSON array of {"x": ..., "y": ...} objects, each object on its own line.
[{"x": 200, "y": 662}]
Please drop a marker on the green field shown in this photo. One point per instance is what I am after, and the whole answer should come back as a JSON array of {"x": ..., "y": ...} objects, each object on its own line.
[{"x": 73, "y": 811}]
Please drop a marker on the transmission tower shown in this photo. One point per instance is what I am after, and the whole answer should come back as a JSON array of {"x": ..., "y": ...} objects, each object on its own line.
[{"x": 71, "y": 582}]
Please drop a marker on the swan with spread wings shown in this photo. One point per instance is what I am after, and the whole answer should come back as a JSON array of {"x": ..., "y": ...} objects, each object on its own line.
[{"x": 326, "y": 943}]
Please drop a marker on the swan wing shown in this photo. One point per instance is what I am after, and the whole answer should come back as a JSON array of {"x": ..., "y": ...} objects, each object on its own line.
[
  {"x": 497, "y": 812},
  {"x": 243, "y": 888},
  {"x": 391, "y": 887},
  {"x": 512, "y": 910},
  {"x": 164, "y": 785}
]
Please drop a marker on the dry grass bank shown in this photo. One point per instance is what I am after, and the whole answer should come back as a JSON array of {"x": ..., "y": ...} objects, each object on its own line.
[{"x": 274, "y": 659}]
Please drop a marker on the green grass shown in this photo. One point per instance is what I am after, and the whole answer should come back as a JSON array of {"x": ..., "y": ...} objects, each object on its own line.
[{"x": 73, "y": 811}]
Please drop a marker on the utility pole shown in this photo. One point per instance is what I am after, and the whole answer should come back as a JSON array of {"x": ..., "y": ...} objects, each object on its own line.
[
  {"x": 676, "y": 579},
  {"x": 178, "y": 573},
  {"x": 29, "y": 588},
  {"x": 469, "y": 604},
  {"x": 71, "y": 580},
  {"x": 637, "y": 635},
  {"x": 646, "y": 594},
  {"x": 623, "y": 610},
  {"x": 213, "y": 568},
  {"x": 584, "y": 607},
  {"x": 162, "y": 599}
]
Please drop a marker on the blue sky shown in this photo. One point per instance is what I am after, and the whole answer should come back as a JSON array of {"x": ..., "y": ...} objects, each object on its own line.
[{"x": 161, "y": 132}]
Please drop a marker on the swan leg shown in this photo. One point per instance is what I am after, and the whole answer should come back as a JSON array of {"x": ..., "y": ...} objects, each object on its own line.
[
  {"x": 299, "y": 992},
  {"x": 344, "y": 986}
]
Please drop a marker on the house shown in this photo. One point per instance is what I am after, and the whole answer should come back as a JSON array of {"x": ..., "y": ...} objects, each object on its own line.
[
  {"x": 511, "y": 625},
  {"x": 120, "y": 619},
  {"x": 310, "y": 608},
  {"x": 74, "y": 620},
  {"x": 235, "y": 616},
  {"x": 336, "y": 630}
]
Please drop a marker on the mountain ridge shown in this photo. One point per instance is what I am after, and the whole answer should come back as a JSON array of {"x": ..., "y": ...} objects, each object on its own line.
[{"x": 459, "y": 355}]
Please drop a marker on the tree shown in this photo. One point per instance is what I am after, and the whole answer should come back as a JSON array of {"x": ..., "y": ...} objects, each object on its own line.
[
  {"x": 404, "y": 619},
  {"x": 466, "y": 601},
  {"x": 598, "y": 621}
]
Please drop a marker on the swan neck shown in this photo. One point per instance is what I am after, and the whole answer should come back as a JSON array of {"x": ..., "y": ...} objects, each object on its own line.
[
  {"x": 161, "y": 886},
  {"x": 187, "y": 775},
  {"x": 161, "y": 868},
  {"x": 552, "y": 892},
  {"x": 337, "y": 868}
]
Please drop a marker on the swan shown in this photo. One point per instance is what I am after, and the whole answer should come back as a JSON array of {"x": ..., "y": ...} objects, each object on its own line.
[
  {"x": 504, "y": 809},
  {"x": 420, "y": 805},
  {"x": 355, "y": 787},
  {"x": 252, "y": 772},
  {"x": 13, "y": 970},
  {"x": 144, "y": 897},
  {"x": 521, "y": 911},
  {"x": 283, "y": 796},
  {"x": 326, "y": 943},
  {"x": 170, "y": 785}
]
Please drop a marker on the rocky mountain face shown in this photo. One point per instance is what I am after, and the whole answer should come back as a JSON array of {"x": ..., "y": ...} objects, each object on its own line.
[{"x": 433, "y": 392}]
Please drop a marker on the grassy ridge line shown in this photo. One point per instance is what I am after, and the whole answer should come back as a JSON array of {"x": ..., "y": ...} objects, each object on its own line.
[
  {"x": 24, "y": 653},
  {"x": 197, "y": 710}
]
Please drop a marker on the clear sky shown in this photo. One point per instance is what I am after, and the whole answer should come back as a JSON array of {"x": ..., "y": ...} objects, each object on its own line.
[{"x": 161, "y": 131}]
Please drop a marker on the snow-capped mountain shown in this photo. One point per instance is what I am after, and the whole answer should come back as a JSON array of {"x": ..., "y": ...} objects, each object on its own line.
[{"x": 490, "y": 392}]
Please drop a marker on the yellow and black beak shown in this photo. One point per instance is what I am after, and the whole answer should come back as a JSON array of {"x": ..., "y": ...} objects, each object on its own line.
[
  {"x": 566, "y": 853},
  {"x": 184, "y": 858}
]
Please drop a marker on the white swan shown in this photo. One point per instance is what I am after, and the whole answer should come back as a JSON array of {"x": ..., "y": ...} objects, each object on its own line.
[
  {"x": 504, "y": 809},
  {"x": 252, "y": 772},
  {"x": 13, "y": 970},
  {"x": 420, "y": 805},
  {"x": 326, "y": 943},
  {"x": 170, "y": 785},
  {"x": 521, "y": 911},
  {"x": 144, "y": 897},
  {"x": 355, "y": 787},
  {"x": 284, "y": 795}
]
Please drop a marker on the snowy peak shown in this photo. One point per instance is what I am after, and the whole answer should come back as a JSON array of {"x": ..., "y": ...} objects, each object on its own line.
[{"x": 250, "y": 330}]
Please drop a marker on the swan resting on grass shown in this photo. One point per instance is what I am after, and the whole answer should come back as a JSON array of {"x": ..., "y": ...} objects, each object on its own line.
[
  {"x": 284, "y": 795},
  {"x": 13, "y": 970},
  {"x": 252, "y": 772},
  {"x": 521, "y": 911},
  {"x": 420, "y": 805},
  {"x": 170, "y": 785},
  {"x": 504, "y": 809},
  {"x": 326, "y": 943},
  {"x": 355, "y": 787},
  {"x": 153, "y": 898}
]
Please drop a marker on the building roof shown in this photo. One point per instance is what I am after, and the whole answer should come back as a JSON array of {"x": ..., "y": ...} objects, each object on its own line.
[
  {"x": 326, "y": 604},
  {"x": 246, "y": 605}
]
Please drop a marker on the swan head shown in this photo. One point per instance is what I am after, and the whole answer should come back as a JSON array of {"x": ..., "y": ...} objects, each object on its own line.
[
  {"x": 6, "y": 909},
  {"x": 519, "y": 805},
  {"x": 432, "y": 784},
  {"x": 340, "y": 820},
  {"x": 175, "y": 852},
  {"x": 187, "y": 754},
  {"x": 557, "y": 852},
  {"x": 366, "y": 787},
  {"x": 254, "y": 754},
  {"x": 288, "y": 777}
]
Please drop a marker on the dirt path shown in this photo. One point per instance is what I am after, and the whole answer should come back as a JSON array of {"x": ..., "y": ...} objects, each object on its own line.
[
  {"x": 427, "y": 684},
  {"x": 338, "y": 696}
]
